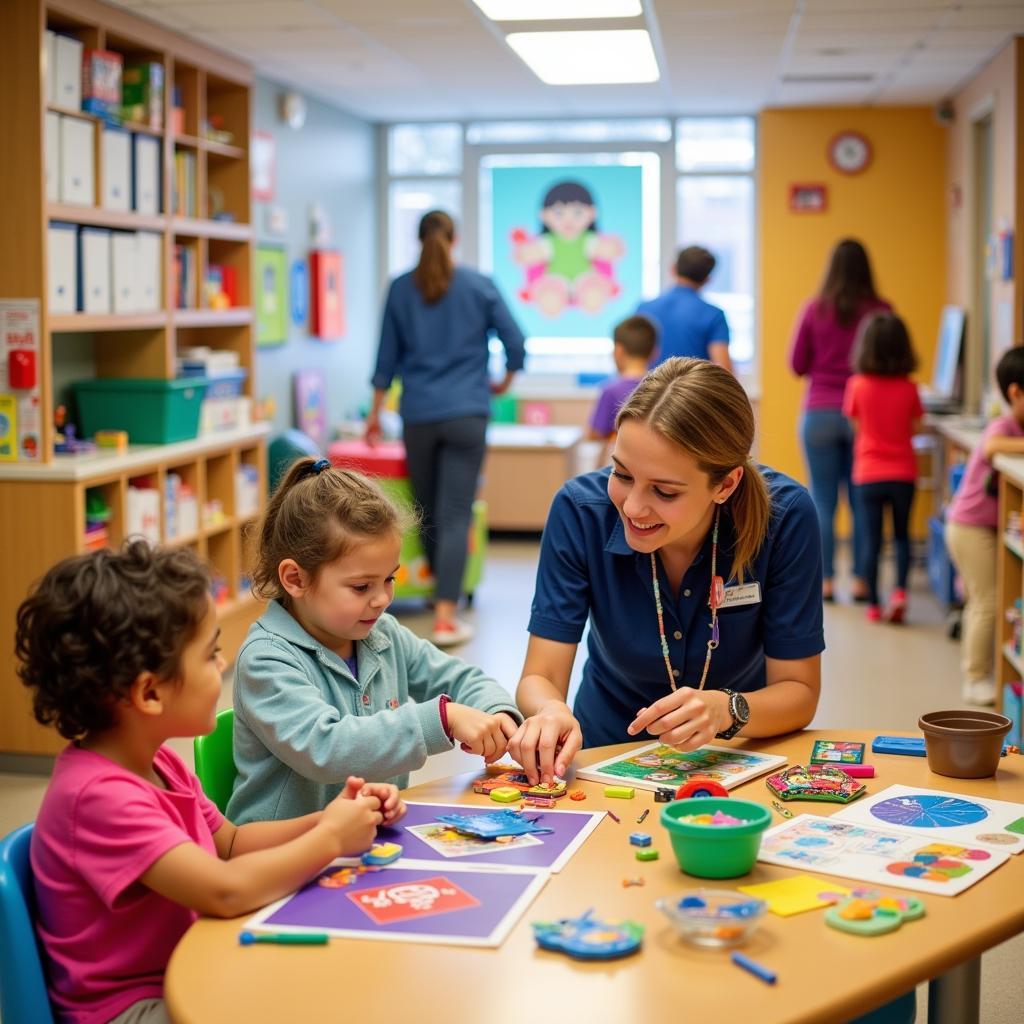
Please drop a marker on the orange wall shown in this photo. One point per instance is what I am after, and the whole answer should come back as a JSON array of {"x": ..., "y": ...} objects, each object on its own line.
[{"x": 896, "y": 207}]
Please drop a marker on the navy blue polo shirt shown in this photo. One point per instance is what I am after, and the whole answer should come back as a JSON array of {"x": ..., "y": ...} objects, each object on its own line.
[{"x": 588, "y": 570}]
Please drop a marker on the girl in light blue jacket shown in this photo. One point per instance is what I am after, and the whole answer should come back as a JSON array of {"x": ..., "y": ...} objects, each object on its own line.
[{"x": 327, "y": 685}]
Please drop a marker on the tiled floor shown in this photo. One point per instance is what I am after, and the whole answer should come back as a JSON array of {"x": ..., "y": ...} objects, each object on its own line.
[{"x": 874, "y": 677}]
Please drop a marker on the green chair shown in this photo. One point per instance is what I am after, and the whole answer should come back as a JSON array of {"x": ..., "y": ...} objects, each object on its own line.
[{"x": 215, "y": 759}]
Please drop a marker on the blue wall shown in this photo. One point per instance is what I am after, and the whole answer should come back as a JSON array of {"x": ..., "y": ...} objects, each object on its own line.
[{"x": 330, "y": 161}]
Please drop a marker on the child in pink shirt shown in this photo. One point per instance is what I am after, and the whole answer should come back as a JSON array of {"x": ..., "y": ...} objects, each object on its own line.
[
  {"x": 120, "y": 651},
  {"x": 971, "y": 523},
  {"x": 882, "y": 402}
]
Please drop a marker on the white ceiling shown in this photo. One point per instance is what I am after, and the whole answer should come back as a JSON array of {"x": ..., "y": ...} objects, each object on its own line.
[{"x": 419, "y": 59}]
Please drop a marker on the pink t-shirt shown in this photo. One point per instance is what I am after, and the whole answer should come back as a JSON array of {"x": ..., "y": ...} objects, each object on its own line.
[
  {"x": 885, "y": 409},
  {"x": 100, "y": 827},
  {"x": 972, "y": 505}
]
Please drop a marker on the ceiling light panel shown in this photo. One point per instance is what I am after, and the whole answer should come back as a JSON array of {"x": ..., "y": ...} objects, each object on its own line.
[
  {"x": 587, "y": 58},
  {"x": 558, "y": 10}
]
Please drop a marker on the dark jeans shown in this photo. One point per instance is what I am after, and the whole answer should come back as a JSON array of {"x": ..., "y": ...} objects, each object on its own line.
[
  {"x": 898, "y": 495},
  {"x": 444, "y": 465},
  {"x": 828, "y": 447}
]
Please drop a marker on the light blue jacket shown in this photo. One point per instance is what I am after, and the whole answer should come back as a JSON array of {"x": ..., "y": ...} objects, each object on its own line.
[{"x": 303, "y": 723}]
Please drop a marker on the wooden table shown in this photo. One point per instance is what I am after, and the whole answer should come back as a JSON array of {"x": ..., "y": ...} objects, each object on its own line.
[{"x": 824, "y": 975}]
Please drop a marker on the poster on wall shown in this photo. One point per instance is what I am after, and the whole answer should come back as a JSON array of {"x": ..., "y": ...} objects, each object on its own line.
[
  {"x": 271, "y": 295},
  {"x": 261, "y": 154},
  {"x": 328, "y": 305},
  {"x": 566, "y": 245}
]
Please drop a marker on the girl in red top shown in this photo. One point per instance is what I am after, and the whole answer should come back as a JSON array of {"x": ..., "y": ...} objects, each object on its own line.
[{"x": 885, "y": 408}]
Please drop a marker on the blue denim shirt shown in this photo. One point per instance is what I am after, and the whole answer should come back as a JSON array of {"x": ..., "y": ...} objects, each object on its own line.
[
  {"x": 588, "y": 570},
  {"x": 440, "y": 349},
  {"x": 304, "y": 723}
]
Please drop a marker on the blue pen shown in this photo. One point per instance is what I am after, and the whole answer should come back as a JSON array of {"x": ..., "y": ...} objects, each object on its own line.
[{"x": 769, "y": 977}]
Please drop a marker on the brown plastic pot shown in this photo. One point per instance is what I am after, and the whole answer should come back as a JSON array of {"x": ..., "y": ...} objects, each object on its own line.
[{"x": 964, "y": 744}]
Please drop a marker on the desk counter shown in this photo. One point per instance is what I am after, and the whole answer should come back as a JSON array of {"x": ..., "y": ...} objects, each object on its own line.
[{"x": 824, "y": 975}]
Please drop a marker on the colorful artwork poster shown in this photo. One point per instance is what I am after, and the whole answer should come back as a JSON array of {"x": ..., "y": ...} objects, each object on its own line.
[
  {"x": 655, "y": 765},
  {"x": 271, "y": 269},
  {"x": 410, "y": 901},
  {"x": 882, "y": 856},
  {"x": 311, "y": 405},
  {"x": 567, "y": 246},
  {"x": 949, "y": 817},
  {"x": 552, "y": 852}
]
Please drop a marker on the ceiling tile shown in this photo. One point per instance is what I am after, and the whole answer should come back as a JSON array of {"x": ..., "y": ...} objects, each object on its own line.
[{"x": 274, "y": 14}]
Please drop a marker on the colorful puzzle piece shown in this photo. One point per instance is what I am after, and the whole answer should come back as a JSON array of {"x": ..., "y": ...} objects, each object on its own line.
[
  {"x": 491, "y": 824},
  {"x": 815, "y": 782},
  {"x": 640, "y": 838},
  {"x": 382, "y": 853},
  {"x": 870, "y": 913},
  {"x": 588, "y": 938},
  {"x": 518, "y": 780}
]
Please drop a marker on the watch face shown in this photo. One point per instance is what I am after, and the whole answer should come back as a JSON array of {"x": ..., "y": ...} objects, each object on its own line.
[
  {"x": 849, "y": 152},
  {"x": 740, "y": 708}
]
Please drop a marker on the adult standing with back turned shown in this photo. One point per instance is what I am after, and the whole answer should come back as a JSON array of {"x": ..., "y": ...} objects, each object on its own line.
[{"x": 437, "y": 323}]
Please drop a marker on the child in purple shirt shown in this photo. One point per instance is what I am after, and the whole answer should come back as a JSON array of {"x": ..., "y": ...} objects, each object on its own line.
[
  {"x": 120, "y": 651},
  {"x": 635, "y": 340},
  {"x": 972, "y": 520}
]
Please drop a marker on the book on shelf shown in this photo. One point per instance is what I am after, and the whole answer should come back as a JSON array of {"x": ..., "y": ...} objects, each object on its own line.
[
  {"x": 183, "y": 188},
  {"x": 101, "y": 84},
  {"x": 142, "y": 93},
  {"x": 185, "y": 277}
]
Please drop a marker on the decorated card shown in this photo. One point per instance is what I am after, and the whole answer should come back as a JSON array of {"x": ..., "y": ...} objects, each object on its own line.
[
  {"x": 425, "y": 838},
  {"x": 949, "y": 817},
  {"x": 657, "y": 765},
  {"x": 837, "y": 752},
  {"x": 877, "y": 855},
  {"x": 409, "y": 901}
]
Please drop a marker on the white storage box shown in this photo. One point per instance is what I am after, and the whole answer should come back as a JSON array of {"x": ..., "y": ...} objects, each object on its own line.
[
  {"x": 146, "y": 174},
  {"x": 49, "y": 64},
  {"x": 67, "y": 72},
  {"x": 143, "y": 519},
  {"x": 77, "y": 159},
  {"x": 62, "y": 268},
  {"x": 123, "y": 267},
  {"x": 94, "y": 270},
  {"x": 116, "y": 170},
  {"x": 51, "y": 157},
  {"x": 148, "y": 293}
]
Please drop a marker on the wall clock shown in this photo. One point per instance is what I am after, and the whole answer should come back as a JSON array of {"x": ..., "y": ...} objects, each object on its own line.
[{"x": 849, "y": 152}]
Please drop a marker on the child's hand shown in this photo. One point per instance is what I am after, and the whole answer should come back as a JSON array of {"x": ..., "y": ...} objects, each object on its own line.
[
  {"x": 392, "y": 806},
  {"x": 352, "y": 821},
  {"x": 478, "y": 732}
]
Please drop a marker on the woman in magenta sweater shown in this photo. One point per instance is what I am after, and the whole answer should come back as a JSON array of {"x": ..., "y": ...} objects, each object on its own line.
[{"x": 821, "y": 352}]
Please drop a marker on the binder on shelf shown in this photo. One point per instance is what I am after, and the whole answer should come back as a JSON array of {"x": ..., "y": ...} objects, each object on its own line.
[
  {"x": 67, "y": 72},
  {"x": 61, "y": 268},
  {"x": 147, "y": 272},
  {"x": 49, "y": 66},
  {"x": 116, "y": 170},
  {"x": 185, "y": 277},
  {"x": 51, "y": 157},
  {"x": 123, "y": 262},
  {"x": 94, "y": 270},
  {"x": 145, "y": 174},
  {"x": 77, "y": 161}
]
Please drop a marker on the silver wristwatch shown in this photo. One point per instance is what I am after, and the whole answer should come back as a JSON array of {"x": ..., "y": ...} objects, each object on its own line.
[{"x": 739, "y": 709}]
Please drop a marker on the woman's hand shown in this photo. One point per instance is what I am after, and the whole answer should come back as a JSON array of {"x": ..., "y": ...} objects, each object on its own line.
[
  {"x": 685, "y": 719},
  {"x": 546, "y": 743}
]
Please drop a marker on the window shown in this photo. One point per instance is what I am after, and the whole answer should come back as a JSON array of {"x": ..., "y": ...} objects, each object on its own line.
[{"x": 425, "y": 149}]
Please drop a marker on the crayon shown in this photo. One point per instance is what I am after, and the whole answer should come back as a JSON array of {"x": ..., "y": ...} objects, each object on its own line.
[
  {"x": 767, "y": 976},
  {"x": 284, "y": 938}
]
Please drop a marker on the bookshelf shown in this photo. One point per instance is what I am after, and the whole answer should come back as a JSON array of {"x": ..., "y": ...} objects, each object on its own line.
[
  {"x": 1009, "y": 573},
  {"x": 201, "y": 122}
]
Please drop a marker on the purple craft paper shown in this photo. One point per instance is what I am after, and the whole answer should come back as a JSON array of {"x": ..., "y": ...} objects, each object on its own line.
[
  {"x": 567, "y": 826},
  {"x": 322, "y": 908}
]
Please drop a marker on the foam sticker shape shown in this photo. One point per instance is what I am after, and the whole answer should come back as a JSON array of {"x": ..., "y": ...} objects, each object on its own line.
[
  {"x": 869, "y": 913},
  {"x": 589, "y": 938},
  {"x": 815, "y": 782}
]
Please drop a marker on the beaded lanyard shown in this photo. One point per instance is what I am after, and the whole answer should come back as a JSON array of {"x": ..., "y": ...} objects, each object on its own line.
[{"x": 714, "y": 600}]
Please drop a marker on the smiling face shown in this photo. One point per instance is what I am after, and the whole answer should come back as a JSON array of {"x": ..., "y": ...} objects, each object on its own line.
[
  {"x": 568, "y": 220},
  {"x": 349, "y": 594},
  {"x": 662, "y": 495}
]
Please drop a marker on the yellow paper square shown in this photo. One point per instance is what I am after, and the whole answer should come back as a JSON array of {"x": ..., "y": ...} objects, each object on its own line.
[{"x": 788, "y": 896}]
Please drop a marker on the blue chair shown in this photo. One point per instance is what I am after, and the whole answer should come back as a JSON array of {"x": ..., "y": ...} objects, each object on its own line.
[{"x": 23, "y": 995}]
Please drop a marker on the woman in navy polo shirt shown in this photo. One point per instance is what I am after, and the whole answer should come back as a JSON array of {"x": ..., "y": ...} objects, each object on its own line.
[{"x": 699, "y": 572}]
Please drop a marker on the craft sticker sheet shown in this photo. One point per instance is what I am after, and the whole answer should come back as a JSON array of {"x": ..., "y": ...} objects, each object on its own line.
[
  {"x": 950, "y": 817},
  {"x": 838, "y": 752},
  {"x": 550, "y": 851},
  {"x": 880, "y": 856},
  {"x": 656, "y": 765},
  {"x": 409, "y": 901},
  {"x": 450, "y": 843}
]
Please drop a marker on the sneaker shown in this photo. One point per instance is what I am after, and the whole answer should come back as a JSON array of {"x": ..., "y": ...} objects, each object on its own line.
[
  {"x": 859, "y": 591},
  {"x": 897, "y": 606},
  {"x": 874, "y": 613},
  {"x": 980, "y": 692},
  {"x": 451, "y": 634}
]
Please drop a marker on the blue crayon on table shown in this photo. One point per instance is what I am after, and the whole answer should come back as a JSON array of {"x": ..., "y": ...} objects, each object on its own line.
[
  {"x": 767, "y": 976},
  {"x": 284, "y": 938}
]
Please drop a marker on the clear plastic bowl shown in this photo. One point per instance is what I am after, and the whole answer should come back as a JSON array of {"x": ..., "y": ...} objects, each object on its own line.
[{"x": 727, "y": 917}]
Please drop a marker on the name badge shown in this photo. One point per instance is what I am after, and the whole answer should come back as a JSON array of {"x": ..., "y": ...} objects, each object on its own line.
[{"x": 749, "y": 593}]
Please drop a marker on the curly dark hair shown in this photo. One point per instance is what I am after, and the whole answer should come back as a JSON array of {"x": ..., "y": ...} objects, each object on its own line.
[{"x": 95, "y": 622}]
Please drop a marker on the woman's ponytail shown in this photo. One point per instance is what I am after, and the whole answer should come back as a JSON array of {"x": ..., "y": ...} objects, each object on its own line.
[{"x": 434, "y": 271}]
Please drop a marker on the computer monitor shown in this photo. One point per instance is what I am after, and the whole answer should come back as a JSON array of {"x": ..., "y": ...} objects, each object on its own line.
[{"x": 946, "y": 388}]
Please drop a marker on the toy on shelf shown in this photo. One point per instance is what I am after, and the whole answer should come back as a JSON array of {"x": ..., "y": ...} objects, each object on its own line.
[
  {"x": 589, "y": 938},
  {"x": 868, "y": 912},
  {"x": 64, "y": 439},
  {"x": 815, "y": 782}
]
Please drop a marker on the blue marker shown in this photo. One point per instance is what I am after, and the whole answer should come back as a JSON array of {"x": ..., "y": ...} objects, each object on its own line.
[{"x": 768, "y": 977}]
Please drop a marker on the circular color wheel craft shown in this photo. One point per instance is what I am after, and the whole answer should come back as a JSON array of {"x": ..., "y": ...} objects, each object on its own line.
[{"x": 929, "y": 811}]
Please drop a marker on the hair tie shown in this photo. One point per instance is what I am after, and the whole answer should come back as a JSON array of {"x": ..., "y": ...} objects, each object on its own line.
[{"x": 318, "y": 467}]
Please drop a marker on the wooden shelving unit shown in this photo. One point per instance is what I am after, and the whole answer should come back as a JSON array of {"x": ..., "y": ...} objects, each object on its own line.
[
  {"x": 42, "y": 504},
  {"x": 1009, "y": 571}
]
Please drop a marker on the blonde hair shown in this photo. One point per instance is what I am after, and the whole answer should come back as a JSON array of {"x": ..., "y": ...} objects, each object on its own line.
[
  {"x": 701, "y": 407},
  {"x": 316, "y": 515}
]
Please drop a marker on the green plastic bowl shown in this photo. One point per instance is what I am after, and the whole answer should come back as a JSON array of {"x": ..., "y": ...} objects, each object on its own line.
[{"x": 715, "y": 851}]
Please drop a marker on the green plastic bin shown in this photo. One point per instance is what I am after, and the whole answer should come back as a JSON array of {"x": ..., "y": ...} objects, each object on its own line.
[
  {"x": 151, "y": 410},
  {"x": 715, "y": 851}
]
